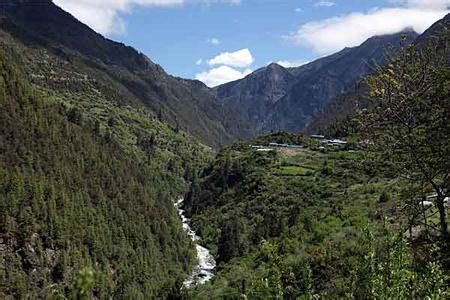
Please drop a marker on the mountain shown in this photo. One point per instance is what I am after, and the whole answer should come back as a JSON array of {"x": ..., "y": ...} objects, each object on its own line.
[
  {"x": 327, "y": 78},
  {"x": 97, "y": 141},
  {"x": 60, "y": 53},
  {"x": 86, "y": 195},
  {"x": 274, "y": 98},
  {"x": 439, "y": 28},
  {"x": 345, "y": 105},
  {"x": 253, "y": 96},
  {"x": 57, "y": 48},
  {"x": 339, "y": 109},
  {"x": 92, "y": 156}
]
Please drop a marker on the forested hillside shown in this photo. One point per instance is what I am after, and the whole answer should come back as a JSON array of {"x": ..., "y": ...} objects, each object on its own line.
[
  {"x": 297, "y": 223},
  {"x": 367, "y": 218},
  {"x": 97, "y": 144},
  {"x": 86, "y": 195}
]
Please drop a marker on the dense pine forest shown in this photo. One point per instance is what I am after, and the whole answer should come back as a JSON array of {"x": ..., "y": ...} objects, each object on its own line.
[{"x": 82, "y": 211}]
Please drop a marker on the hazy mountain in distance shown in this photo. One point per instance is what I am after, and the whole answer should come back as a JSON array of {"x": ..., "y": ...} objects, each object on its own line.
[
  {"x": 354, "y": 98},
  {"x": 274, "y": 98},
  {"x": 252, "y": 97}
]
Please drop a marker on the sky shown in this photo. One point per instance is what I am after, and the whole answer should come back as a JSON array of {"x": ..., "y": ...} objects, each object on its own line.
[{"x": 217, "y": 41}]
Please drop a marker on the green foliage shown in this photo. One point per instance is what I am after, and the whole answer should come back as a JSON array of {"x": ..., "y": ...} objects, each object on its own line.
[
  {"x": 388, "y": 270},
  {"x": 84, "y": 209},
  {"x": 301, "y": 237},
  {"x": 408, "y": 120},
  {"x": 91, "y": 65},
  {"x": 83, "y": 284}
]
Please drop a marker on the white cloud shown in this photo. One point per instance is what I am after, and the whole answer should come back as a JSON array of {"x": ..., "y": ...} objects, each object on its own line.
[
  {"x": 232, "y": 65},
  {"x": 325, "y": 3},
  {"x": 214, "y": 41},
  {"x": 104, "y": 16},
  {"x": 437, "y": 4},
  {"x": 241, "y": 58},
  {"x": 291, "y": 63},
  {"x": 199, "y": 61},
  {"x": 299, "y": 9},
  {"x": 221, "y": 75},
  {"x": 236, "y": 2},
  {"x": 336, "y": 33}
]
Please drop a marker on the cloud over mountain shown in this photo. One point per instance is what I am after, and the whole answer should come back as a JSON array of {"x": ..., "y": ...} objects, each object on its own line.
[
  {"x": 241, "y": 58},
  {"x": 334, "y": 34},
  {"x": 233, "y": 66},
  {"x": 220, "y": 75}
]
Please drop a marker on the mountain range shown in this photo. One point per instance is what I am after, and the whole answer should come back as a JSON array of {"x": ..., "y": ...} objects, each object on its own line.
[
  {"x": 97, "y": 142},
  {"x": 61, "y": 52},
  {"x": 57, "y": 46},
  {"x": 278, "y": 99},
  {"x": 346, "y": 104}
]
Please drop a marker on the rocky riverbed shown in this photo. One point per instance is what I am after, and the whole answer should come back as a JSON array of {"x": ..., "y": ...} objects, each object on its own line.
[{"x": 203, "y": 271}]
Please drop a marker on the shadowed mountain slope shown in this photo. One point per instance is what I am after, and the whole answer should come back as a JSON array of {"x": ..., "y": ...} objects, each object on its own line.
[
  {"x": 354, "y": 98},
  {"x": 274, "y": 98},
  {"x": 44, "y": 32}
]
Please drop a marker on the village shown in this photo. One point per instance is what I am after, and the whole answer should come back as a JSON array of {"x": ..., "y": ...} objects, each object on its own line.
[{"x": 325, "y": 143}]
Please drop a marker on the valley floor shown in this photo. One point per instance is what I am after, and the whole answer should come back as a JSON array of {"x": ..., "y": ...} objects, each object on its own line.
[{"x": 292, "y": 223}]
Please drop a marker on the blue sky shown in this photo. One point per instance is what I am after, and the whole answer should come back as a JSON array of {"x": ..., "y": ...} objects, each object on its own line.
[{"x": 221, "y": 40}]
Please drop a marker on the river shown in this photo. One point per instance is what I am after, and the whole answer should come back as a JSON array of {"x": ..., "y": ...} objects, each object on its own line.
[{"x": 203, "y": 271}]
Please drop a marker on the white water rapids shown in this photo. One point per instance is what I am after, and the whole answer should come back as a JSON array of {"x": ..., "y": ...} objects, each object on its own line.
[{"x": 204, "y": 270}]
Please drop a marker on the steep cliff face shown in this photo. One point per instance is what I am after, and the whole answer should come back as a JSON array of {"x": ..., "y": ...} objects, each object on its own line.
[
  {"x": 252, "y": 97},
  {"x": 127, "y": 75},
  {"x": 339, "y": 109}
]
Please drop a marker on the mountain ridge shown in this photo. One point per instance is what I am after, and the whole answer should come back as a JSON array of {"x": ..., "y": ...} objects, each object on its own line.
[
  {"x": 345, "y": 105},
  {"x": 86, "y": 187},
  {"x": 274, "y": 98},
  {"x": 42, "y": 24},
  {"x": 270, "y": 99}
]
